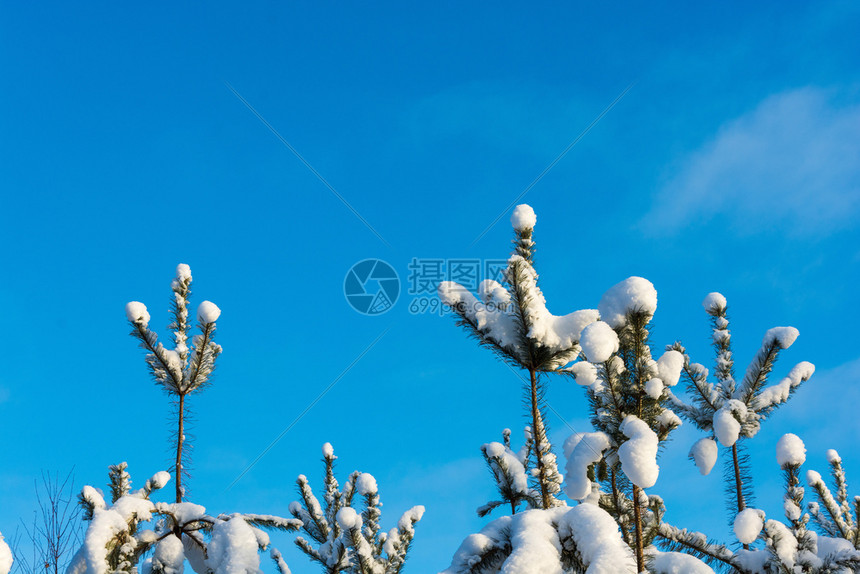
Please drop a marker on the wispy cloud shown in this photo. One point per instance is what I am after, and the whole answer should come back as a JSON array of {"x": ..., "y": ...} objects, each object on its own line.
[{"x": 792, "y": 162}]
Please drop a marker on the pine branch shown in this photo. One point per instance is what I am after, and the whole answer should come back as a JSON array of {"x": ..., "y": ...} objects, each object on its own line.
[
  {"x": 697, "y": 544},
  {"x": 313, "y": 511},
  {"x": 757, "y": 372},
  {"x": 270, "y": 522}
]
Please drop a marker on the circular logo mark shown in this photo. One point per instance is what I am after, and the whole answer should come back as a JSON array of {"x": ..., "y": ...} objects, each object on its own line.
[{"x": 371, "y": 287}]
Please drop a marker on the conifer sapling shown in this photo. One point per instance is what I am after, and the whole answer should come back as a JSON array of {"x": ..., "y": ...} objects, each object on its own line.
[{"x": 182, "y": 370}]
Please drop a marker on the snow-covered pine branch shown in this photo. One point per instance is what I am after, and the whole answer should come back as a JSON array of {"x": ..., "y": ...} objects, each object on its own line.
[
  {"x": 731, "y": 411},
  {"x": 509, "y": 473},
  {"x": 630, "y": 407},
  {"x": 175, "y": 370},
  {"x": 633, "y": 410},
  {"x": 512, "y": 319},
  {"x": 116, "y": 539},
  {"x": 842, "y": 513},
  {"x": 341, "y": 539}
]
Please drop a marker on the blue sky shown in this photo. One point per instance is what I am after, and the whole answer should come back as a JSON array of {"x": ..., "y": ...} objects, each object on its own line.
[{"x": 732, "y": 164}]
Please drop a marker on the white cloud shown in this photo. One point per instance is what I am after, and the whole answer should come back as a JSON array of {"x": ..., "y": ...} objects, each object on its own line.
[{"x": 794, "y": 162}]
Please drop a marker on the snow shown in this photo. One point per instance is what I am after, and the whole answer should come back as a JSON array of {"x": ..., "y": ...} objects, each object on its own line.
[
  {"x": 535, "y": 544},
  {"x": 279, "y": 560},
  {"x": 813, "y": 478},
  {"x": 194, "y": 551},
  {"x": 597, "y": 540},
  {"x": 184, "y": 512},
  {"x": 365, "y": 484},
  {"x": 498, "y": 325},
  {"x": 668, "y": 418},
  {"x": 752, "y": 560},
  {"x": 791, "y": 509},
  {"x": 784, "y": 542},
  {"x": 93, "y": 496},
  {"x": 654, "y": 388},
  {"x": 523, "y": 217},
  {"x": 790, "y": 450},
  {"x": 536, "y": 547},
  {"x": 669, "y": 367},
  {"x": 233, "y": 548},
  {"x": 5, "y": 556},
  {"x": 491, "y": 537},
  {"x": 327, "y": 450},
  {"x": 132, "y": 506},
  {"x": 169, "y": 556},
  {"x": 558, "y": 333},
  {"x": 748, "y": 525},
  {"x": 584, "y": 372},
  {"x": 568, "y": 328},
  {"x": 173, "y": 361},
  {"x": 778, "y": 393},
  {"x": 633, "y": 294},
  {"x": 704, "y": 453},
  {"x": 677, "y": 563},
  {"x": 208, "y": 312},
  {"x": 410, "y": 517},
  {"x": 348, "y": 518},
  {"x": 582, "y": 450},
  {"x": 714, "y": 302},
  {"x": 511, "y": 461},
  {"x": 493, "y": 292},
  {"x": 828, "y": 546},
  {"x": 137, "y": 313},
  {"x": 833, "y": 456},
  {"x": 183, "y": 272},
  {"x": 783, "y": 336},
  {"x": 496, "y": 321},
  {"x": 103, "y": 527},
  {"x": 727, "y": 429},
  {"x": 159, "y": 480},
  {"x": 638, "y": 455},
  {"x": 598, "y": 342}
]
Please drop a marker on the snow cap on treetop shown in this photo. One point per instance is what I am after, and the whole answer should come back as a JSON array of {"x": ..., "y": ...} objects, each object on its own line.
[
  {"x": 414, "y": 514},
  {"x": 348, "y": 518},
  {"x": 714, "y": 302},
  {"x": 748, "y": 524},
  {"x": 783, "y": 336},
  {"x": 183, "y": 272},
  {"x": 598, "y": 342},
  {"x": 813, "y": 478},
  {"x": 632, "y": 294},
  {"x": 327, "y": 450},
  {"x": 137, "y": 313},
  {"x": 790, "y": 450},
  {"x": 365, "y": 484},
  {"x": 523, "y": 217},
  {"x": 208, "y": 312},
  {"x": 833, "y": 456}
]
